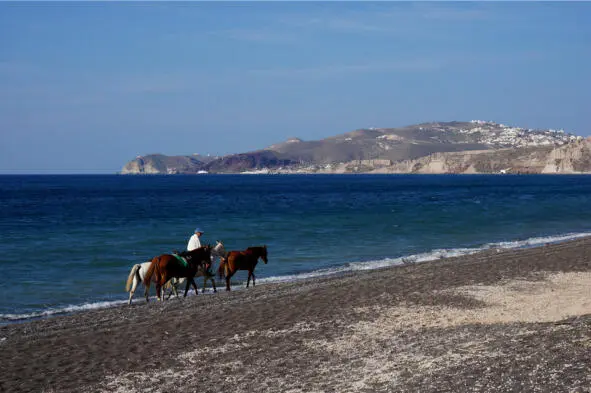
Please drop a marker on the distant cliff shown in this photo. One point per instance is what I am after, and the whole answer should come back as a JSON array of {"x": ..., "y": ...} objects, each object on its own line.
[
  {"x": 161, "y": 164},
  {"x": 574, "y": 157},
  {"x": 452, "y": 147}
]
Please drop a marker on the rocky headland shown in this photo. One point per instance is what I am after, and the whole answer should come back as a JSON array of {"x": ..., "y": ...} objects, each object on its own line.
[{"x": 428, "y": 148}]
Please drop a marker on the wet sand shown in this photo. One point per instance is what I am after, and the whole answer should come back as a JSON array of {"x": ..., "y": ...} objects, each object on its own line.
[{"x": 497, "y": 321}]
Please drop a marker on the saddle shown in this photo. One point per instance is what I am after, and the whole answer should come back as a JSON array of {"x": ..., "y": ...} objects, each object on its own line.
[
  {"x": 185, "y": 256},
  {"x": 184, "y": 259}
]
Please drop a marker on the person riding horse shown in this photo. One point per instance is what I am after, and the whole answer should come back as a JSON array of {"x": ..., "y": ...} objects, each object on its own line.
[{"x": 195, "y": 241}]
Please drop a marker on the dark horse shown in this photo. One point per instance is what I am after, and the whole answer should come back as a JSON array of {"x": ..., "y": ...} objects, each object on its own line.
[
  {"x": 167, "y": 266},
  {"x": 242, "y": 260}
]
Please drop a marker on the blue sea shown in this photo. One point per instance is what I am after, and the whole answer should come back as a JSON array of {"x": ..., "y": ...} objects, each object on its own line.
[{"x": 68, "y": 242}]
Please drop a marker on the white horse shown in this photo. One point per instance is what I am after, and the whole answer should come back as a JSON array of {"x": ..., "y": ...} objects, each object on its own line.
[{"x": 138, "y": 272}]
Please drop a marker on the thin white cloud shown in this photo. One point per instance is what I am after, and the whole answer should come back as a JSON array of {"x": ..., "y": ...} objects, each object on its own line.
[
  {"x": 344, "y": 23},
  {"x": 451, "y": 12},
  {"x": 302, "y": 23},
  {"x": 257, "y": 35},
  {"x": 337, "y": 70},
  {"x": 389, "y": 18},
  {"x": 425, "y": 64}
]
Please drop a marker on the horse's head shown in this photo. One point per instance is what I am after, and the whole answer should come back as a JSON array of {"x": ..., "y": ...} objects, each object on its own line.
[
  {"x": 207, "y": 250},
  {"x": 206, "y": 257},
  {"x": 199, "y": 256},
  {"x": 263, "y": 254},
  {"x": 258, "y": 252},
  {"x": 218, "y": 249}
]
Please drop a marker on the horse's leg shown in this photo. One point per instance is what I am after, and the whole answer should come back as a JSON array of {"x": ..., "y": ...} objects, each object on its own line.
[
  {"x": 190, "y": 281},
  {"x": 212, "y": 278},
  {"x": 248, "y": 279},
  {"x": 147, "y": 291},
  {"x": 174, "y": 282},
  {"x": 175, "y": 289},
  {"x": 252, "y": 273},
  {"x": 159, "y": 287},
  {"x": 204, "y": 283},
  {"x": 172, "y": 287},
  {"x": 194, "y": 284},
  {"x": 228, "y": 275}
]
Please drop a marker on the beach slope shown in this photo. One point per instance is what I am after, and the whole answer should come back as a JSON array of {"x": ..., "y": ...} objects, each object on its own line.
[{"x": 497, "y": 321}]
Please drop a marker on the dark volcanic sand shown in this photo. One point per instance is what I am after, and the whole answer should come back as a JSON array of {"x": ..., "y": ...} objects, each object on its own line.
[{"x": 525, "y": 327}]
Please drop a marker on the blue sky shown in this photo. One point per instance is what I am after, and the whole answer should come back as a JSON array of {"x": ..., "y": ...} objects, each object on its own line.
[{"x": 85, "y": 87}]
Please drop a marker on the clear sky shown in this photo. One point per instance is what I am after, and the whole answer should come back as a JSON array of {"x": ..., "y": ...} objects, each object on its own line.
[{"x": 87, "y": 86}]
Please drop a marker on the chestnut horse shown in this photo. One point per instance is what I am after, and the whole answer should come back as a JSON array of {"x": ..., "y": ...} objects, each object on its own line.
[
  {"x": 241, "y": 260},
  {"x": 167, "y": 266},
  {"x": 138, "y": 272}
]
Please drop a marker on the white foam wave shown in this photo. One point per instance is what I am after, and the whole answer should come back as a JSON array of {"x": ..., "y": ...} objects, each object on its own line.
[
  {"x": 426, "y": 257},
  {"x": 61, "y": 310},
  {"x": 350, "y": 267},
  {"x": 8, "y": 318}
]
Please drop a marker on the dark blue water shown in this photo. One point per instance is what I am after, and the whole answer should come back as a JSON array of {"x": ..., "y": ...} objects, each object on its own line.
[{"x": 68, "y": 242}]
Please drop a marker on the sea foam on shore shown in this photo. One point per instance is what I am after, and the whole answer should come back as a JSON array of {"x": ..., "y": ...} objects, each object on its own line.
[{"x": 348, "y": 267}]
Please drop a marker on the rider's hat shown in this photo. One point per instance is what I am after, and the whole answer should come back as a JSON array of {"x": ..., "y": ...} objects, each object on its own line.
[{"x": 198, "y": 230}]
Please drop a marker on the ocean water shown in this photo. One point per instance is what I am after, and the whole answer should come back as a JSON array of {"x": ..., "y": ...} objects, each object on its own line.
[{"x": 67, "y": 243}]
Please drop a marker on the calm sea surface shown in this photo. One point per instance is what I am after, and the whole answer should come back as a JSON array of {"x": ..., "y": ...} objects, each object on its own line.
[{"x": 67, "y": 243}]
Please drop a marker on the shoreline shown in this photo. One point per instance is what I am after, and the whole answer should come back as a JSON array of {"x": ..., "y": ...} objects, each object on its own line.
[
  {"x": 447, "y": 325},
  {"x": 351, "y": 267}
]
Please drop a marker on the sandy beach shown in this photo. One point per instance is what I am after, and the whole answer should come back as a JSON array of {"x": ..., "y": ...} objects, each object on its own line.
[{"x": 497, "y": 321}]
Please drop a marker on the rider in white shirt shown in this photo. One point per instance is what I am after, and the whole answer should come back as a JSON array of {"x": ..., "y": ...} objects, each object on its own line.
[{"x": 194, "y": 241}]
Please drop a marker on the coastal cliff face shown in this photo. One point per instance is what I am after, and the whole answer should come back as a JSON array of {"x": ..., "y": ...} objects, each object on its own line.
[
  {"x": 139, "y": 166},
  {"x": 160, "y": 164},
  {"x": 453, "y": 147},
  {"x": 571, "y": 158},
  {"x": 525, "y": 160},
  {"x": 574, "y": 157}
]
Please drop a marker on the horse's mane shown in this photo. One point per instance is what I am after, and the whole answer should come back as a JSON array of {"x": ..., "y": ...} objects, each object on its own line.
[{"x": 203, "y": 250}]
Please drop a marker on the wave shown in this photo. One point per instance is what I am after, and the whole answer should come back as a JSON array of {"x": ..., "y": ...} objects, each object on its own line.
[
  {"x": 349, "y": 267},
  {"x": 59, "y": 310},
  {"x": 69, "y": 309},
  {"x": 426, "y": 257}
]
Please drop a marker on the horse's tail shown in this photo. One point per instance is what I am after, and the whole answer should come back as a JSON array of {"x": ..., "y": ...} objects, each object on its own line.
[
  {"x": 221, "y": 268},
  {"x": 153, "y": 267},
  {"x": 132, "y": 273}
]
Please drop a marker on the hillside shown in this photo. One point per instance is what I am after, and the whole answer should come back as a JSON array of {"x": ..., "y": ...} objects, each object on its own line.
[{"x": 440, "y": 147}]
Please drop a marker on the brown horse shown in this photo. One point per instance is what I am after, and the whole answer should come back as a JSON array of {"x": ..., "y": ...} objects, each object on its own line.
[
  {"x": 242, "y": 260},
  {"x": 167, "y": 266}
]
